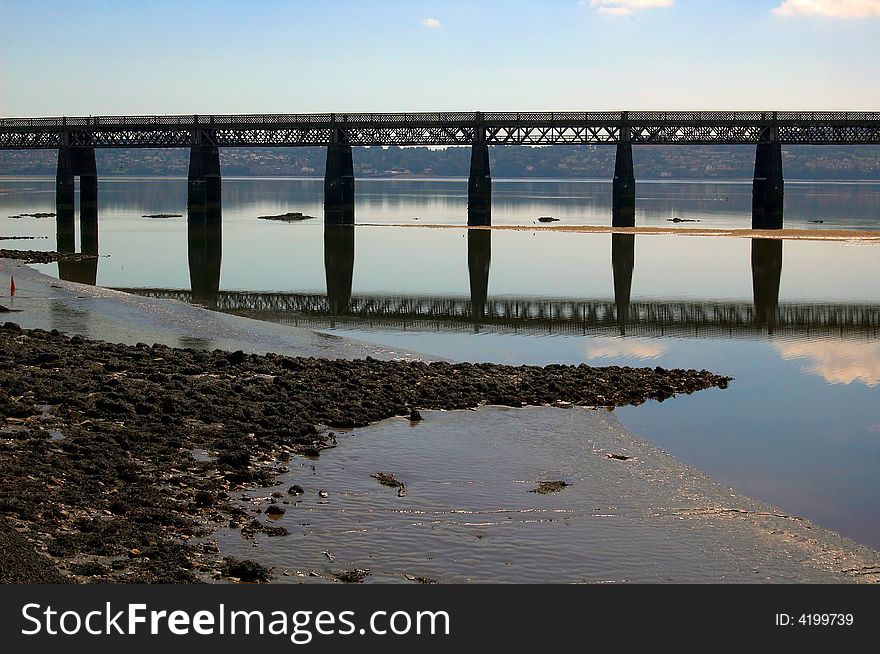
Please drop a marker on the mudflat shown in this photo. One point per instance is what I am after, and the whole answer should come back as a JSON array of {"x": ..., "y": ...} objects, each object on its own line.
[{"x": 96, "y": 458}]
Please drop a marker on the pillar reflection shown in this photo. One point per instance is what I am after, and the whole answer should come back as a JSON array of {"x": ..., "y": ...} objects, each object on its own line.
[
  {"x": 623, "y": 256},
  {"x": 766, "y": 275},
  {"x": 85, "y": 269},
  {"x": 338, "y": 266},
  {"x": 205, "y": 248},
  {"x": 479, "y": 259}
]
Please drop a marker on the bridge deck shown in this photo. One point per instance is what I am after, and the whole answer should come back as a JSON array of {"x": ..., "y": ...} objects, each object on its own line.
[{"x": 373, "y": 129}]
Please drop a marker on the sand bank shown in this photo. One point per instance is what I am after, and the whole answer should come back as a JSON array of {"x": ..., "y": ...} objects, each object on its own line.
[{"x": 862, "y": 236}]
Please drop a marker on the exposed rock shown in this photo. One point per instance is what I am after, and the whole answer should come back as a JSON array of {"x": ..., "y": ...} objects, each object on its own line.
[
  {"x": 387, "y": 479},
  {"x": 353, "y": 576},
  {"x": 246, "y": 570},
  {"x": 292, "y": 216},
  {"x": 545, "y": 487}
]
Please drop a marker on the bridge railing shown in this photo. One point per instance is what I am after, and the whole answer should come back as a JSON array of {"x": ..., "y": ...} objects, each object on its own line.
[{"x": 447, "y": 118}]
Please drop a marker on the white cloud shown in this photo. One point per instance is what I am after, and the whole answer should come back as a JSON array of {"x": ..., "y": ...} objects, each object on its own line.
[
  {"x": 626, "y": 7},
  {"x": 829, "y": 8},
  {"x": 837, "y": 362},
  {"x": 433, "y": 23}
]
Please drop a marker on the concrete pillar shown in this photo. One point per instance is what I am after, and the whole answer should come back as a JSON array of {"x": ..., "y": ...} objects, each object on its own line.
[
  {"x": 768, "y": 184},
  {"x": 87, "y": 170},
  {"x": 479, "y": 177},
  {"x": 64, "y": 179},
  {"x": 623, "y": 191},
  {"x": 339, "y": 184},
  {"x": 480, "y": 185},
  {"x": 204, "y": 181},
  {"x": 73, "y": 162}
]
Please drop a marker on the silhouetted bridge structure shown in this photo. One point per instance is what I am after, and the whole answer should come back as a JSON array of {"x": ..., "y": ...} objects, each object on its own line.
[
  {"x": 542, "y": 315},
  {"x": 76, "y": 140}
]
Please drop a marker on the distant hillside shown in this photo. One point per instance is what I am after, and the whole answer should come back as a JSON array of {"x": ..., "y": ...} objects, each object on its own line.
[{"x": 563, "y": 161}]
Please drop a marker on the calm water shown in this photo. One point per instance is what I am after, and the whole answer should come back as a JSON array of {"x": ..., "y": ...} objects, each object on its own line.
[{"x": 796, "y": 323}]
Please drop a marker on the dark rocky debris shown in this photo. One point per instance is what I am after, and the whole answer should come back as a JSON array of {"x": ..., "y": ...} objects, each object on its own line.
[
  {"x": 36, "y": 256},
  {"x": 546, "y": 487}
]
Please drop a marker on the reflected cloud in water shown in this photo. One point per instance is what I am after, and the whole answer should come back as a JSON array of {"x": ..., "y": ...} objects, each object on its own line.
[
  {"x": 837, "y": 362},
  {"x": 612, "y": 348}
]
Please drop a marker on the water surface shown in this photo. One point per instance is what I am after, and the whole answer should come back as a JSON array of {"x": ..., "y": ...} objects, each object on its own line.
[{"x": 795, "y": 322}]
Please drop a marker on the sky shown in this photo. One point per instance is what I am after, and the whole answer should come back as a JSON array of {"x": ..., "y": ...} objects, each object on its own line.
[{"x": 100, "y": 57}]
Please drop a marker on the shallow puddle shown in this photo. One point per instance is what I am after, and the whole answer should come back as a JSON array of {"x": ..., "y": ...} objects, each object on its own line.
[
  {"x": 468, "y": 512},
  {"x": 201, "y": 455}
]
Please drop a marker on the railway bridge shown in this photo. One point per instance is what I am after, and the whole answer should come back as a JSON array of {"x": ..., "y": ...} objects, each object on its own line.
[{"x": 76, "y": 138}]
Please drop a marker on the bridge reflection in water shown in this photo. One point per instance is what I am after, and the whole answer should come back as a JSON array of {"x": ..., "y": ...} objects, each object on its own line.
[{"x": 340, "y": 308}]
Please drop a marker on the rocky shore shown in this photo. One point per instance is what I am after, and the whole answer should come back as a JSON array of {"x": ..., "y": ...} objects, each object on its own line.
[
  {"x": 113, "y": 458},
  {"x": 36, "y": 256}
]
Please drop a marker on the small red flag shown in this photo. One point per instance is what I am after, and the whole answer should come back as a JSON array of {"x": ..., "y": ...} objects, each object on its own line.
[{"x": 12, "y": 287}]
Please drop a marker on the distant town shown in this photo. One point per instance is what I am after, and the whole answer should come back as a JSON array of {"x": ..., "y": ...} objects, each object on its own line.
[{"x": 571, "y": 161}]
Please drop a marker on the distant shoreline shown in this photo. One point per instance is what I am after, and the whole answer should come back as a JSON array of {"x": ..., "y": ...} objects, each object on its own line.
[{"x": 463, "y": 178}]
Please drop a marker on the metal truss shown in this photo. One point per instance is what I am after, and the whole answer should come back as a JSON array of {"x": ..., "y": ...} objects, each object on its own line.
[{"x": 532, "y": 128}]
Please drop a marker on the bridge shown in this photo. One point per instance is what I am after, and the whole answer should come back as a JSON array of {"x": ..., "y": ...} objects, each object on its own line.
[{"x": 76, "y": 138}]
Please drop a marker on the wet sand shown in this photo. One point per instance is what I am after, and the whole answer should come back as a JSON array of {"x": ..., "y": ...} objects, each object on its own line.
[
  {"x": 122, "y": 462},
  {"x": 528, "y": 495},
  {"x": 93, "y": 312}
]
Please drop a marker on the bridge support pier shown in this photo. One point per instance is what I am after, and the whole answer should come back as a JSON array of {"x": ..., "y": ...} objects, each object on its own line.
[
  {"x": 623, "y": 193},
  {"x": 480, "y": 185},
  {"x": 768, "y": 186},
  {"x": 73, "y": 162},
  {"x": 204, "y": 181},
  {"x": 339, "y": 185},
  {"x": 76, "y": 162}
]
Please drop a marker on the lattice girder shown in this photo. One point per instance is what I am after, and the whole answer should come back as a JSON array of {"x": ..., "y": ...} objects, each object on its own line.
[{"x": 439, "y": 128}]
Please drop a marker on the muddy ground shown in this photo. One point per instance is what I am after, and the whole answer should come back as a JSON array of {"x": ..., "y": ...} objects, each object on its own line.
[{"x": 101, "y": 464}]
